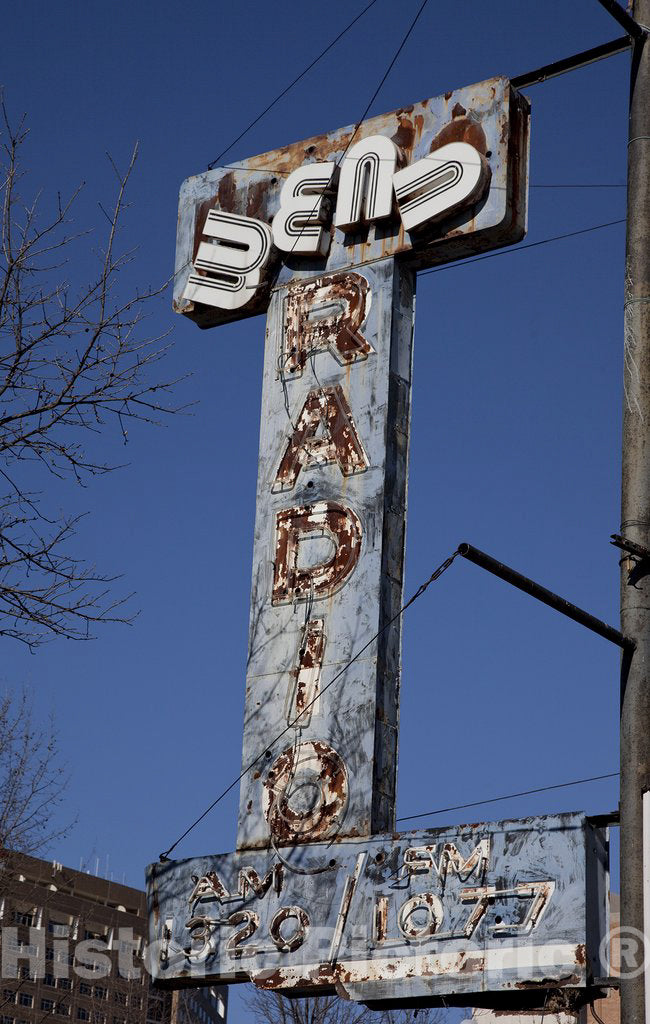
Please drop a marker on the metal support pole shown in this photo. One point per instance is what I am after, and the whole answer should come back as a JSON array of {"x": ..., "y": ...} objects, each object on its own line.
[
  {"x": 625, "y": 20},
  {"x": 535, "y": 590},
  {"x": 572, "y": 63},
  {"x": 635, "y": 515}
]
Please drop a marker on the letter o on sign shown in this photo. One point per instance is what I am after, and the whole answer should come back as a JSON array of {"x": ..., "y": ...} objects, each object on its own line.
[
  {"x": 426, "y": 904},
  {"x": 296, "y": 939},
  {"x": 306, "y": 793}
]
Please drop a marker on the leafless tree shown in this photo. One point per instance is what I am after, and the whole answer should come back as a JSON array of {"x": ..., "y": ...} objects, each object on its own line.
[
  {"x": 32, "y": 779},
  {"x": 72, "y": 359},
  {"x": 272, "y": 1008}
]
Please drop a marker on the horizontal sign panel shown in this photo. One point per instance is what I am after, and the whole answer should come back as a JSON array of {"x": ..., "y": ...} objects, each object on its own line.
[
  {"x": 431, "y": 182},
  {"x": 512, "y": 905}
]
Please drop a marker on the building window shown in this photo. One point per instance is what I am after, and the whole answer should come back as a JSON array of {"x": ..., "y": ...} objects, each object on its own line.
[
  {"x": 83, "y": 1013},
  {"x": 49, "y": 953},
  {"x": 119, "y": 1020},
  {"x": 6, "y": 1020},
  {"x": 99, "y": 1018},
  {"x": 136, "y": 1002},
  {"x": 24, "y": 917},
  {"x": 25, "y": 999},
  {"x": 85, "y": 989},
  {"x": 64, "y": 983},
  {"x": 49, "y": 980},
  {"x": 120, "y": 997},
  {"x": 59, "y": 929},
  {"x": 47, "y": 1004},
  {"x": 63, "y": 1009},
  {"x": 128, "y": 945},
  {"x": 9, "y": 995},
  {"x": 23, "y": 973},
  {"x": 101, "y": 993}
]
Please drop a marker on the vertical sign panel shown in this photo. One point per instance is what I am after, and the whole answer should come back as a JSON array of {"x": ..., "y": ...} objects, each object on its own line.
[{"x": 328, "y": 559}]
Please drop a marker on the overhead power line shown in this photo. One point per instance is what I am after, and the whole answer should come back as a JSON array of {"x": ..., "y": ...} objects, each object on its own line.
[
  {"x": 358, "y": 124},
  {"x": 510, "y": 796},
  {"x": 578, "y": 186},
  {"x": 435, "y": 575},
  {"x": 389, "y": 69},
  {"x": 295, "y": 81},
  {"x": 519, "y": 248}
]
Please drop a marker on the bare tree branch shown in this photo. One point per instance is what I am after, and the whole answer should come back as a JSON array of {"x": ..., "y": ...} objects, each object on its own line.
[
  {"x": 32, "y": 779},
  {"x": 267, "y": 1007},
  {"x": 71, "y": 361}
]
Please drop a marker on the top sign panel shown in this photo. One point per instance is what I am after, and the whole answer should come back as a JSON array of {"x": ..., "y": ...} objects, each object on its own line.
[{"x": 430, "y": 183}]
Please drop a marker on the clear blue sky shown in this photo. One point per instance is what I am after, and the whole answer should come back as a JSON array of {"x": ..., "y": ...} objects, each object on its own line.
[{"x": 516, "y": 413}]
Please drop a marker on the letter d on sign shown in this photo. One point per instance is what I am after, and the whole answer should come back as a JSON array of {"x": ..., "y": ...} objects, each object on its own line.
[{"x": 323, "y": 519}]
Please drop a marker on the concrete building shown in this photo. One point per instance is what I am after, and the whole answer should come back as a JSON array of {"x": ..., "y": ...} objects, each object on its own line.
[{"x": 72, "y": 948}]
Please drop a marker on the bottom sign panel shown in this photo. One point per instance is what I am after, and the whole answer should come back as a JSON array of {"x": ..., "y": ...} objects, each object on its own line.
[{"x": 454, "y": 912}]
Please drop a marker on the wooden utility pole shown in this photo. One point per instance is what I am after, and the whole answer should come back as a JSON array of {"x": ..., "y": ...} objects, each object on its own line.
[{"x": 635, "y": 526}]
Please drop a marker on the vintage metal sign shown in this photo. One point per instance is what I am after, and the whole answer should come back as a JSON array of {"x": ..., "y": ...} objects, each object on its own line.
[
  {"x": 327, "y": 234},
  {"x": 439, "y": 915},
  {"x": 428, "y": 183}
]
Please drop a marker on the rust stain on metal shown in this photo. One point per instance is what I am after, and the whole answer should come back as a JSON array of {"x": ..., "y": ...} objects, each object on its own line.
[
  {"x": 567, "y": 979},
  {"x": 380, "y": 920},
  {"x": 256, "y": 200},
  {"x": 226, "y": 191},
  {"x": 462, "y": 128},
  {"x": 404, "y": 136}
]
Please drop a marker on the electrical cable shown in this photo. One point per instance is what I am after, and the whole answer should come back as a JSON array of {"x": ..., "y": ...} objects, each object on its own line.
[
  {"x": 340, "y": 159},
  {"x": 387, "y": 72},
  {"x": 594, "y": 1013},
  {"x": 302, "y": 74},
  {"x": 510, "y": 796},
  {"x": 578, "y": 186},
  {"x": 435, "y": 575},
  {"x": 518, "y": 248},
  {"x": 358, "y": 124}
]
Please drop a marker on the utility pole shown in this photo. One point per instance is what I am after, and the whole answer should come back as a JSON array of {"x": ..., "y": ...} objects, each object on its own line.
[{"x": 635, "y": 525}]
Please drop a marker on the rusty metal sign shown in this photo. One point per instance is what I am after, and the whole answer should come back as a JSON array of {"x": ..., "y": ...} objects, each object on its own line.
[
  {"x": 327, "y": 235},
  {"x": 439, "y": 915},
  {"x": 428, "y": 183}
]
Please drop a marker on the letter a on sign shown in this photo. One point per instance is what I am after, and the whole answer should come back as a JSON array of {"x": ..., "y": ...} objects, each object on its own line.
[{"x": 325, "y": 409}]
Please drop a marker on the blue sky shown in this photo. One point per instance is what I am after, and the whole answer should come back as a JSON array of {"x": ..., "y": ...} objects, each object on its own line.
[{"x": 515, "y": 430}]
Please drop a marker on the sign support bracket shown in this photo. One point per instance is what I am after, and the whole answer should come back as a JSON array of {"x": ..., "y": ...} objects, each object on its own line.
[{"x": 560, "y": 604}]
